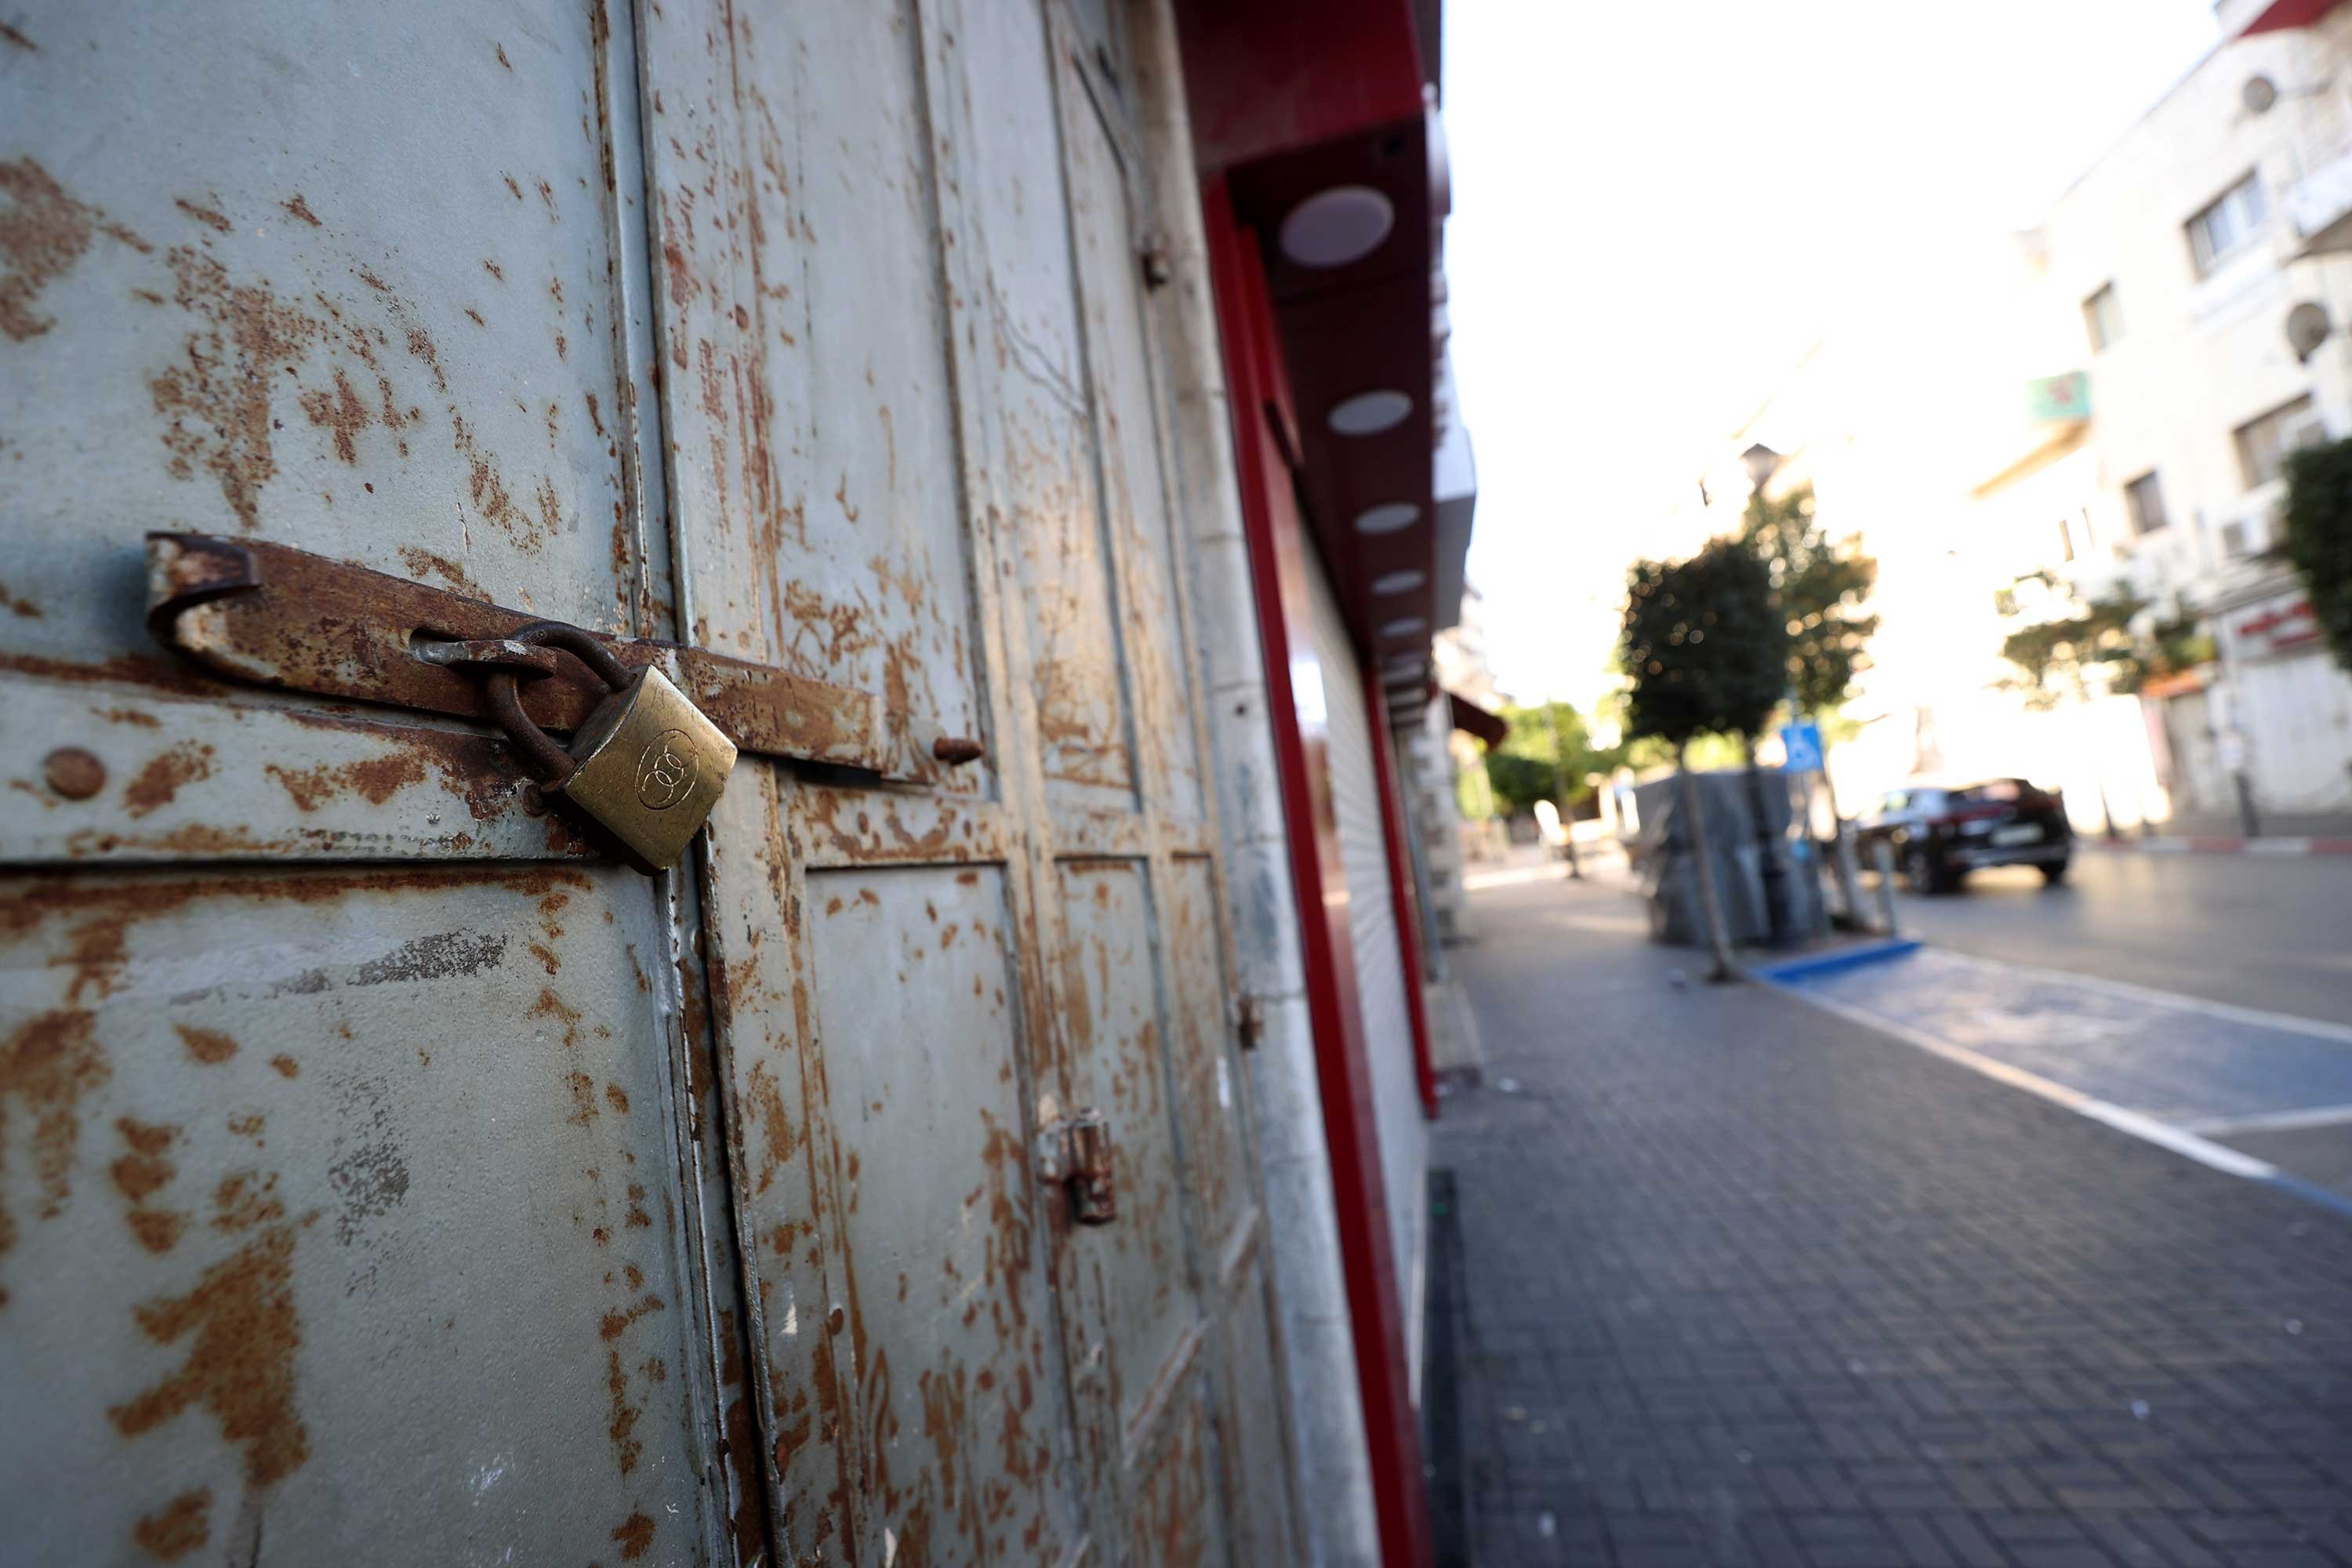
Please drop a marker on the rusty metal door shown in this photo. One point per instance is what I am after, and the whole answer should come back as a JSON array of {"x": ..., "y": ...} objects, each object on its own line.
[
  {"x": 915, "y": 447},
  {"x": 382, "y": 1175},
  {"x": 347, "y": 1206}
]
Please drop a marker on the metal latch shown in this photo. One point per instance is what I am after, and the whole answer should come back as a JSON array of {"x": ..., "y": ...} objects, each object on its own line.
[
  {"x": 1076, "y": 1151},
  {"x": 274, "y": 616}
]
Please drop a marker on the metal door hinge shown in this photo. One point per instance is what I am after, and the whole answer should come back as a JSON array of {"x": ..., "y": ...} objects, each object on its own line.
[
  {"x": 274, "y": 616},
  {"x": 1249, "y": 1021},
  {"x": 1152, "y": 256},
  {"x": 1076, "y": 1152}
]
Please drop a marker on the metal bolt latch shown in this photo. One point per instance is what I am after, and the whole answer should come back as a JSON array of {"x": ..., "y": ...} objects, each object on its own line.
[{"x": 1076, "y": 1152}]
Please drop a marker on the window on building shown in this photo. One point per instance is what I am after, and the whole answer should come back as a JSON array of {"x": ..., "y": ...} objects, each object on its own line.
[
  {"x": 2263, "y": 444},
  {"x": 2102, "y": 314},
  {"x": 2234, "y": 539},
  {"x": 2144, "y": 498},
  {"x": 2217, "y": 233}
]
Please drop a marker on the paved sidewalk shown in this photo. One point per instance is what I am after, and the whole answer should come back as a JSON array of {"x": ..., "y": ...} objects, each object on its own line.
[{"x": 1750, "y": 1283}]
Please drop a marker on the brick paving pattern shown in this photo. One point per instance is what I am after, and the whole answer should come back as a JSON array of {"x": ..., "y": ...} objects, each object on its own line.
[{"x": 1747, "y": 1283}]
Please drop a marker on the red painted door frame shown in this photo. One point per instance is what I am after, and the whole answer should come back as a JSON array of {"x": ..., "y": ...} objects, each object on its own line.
[
  {"x": 1294, "y": 691},
  {"x": 1400, "y": 895}
]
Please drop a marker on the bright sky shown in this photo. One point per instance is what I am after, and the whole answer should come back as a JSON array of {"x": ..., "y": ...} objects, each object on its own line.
[{"x": 1658, "y": 206}]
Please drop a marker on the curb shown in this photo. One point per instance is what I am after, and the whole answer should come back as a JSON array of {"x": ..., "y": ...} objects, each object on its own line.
[{"x": 2221, "y": 845}]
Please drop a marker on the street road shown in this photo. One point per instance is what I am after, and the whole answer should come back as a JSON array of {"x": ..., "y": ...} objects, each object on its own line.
[{"x": 2267, "y": 931}]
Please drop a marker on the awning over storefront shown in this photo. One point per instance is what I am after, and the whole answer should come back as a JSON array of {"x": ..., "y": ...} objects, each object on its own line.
[
  {"x": 2281, "y": 15},
  {"x": 1322, "y": 124},
  {"x": 1476, "y": 721}
]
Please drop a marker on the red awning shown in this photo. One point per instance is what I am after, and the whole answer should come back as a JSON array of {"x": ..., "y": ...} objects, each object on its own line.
[
  {"x": 2281, "y": 15},
  {"x": 1475, "y": 720}
]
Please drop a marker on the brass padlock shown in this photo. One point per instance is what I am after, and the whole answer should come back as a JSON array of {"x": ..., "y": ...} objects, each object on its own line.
[{"x": 646, "y": 766}]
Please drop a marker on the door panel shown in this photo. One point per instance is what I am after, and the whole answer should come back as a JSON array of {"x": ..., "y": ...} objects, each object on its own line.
[
  {"x": 948, "y": 1327},
  {"x": 915, "y": 448},
  {"x": 349, "y": 1206},
  {"x": 216, "y": 338},
  {"x": 808, "y": 390},
  {"x": 1116, "y": 1063},
  {"x": 1109, "y": 242},
  {"x": 329, "y": 1197}
]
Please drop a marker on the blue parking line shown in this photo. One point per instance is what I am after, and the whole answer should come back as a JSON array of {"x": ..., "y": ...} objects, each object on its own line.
[
  {"x": 2174, "y": 1058},
  {"x": 1819, "y": 964}
]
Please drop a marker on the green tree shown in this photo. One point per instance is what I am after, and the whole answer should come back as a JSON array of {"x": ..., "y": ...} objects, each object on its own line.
[
  {"x": 2108, "y": 644},
  {"x": 1527, "y": 765},
  {"x": 1705, "y": 648},
  {"x": 1823, "y": 583},
  {"x": 2320, "y": 537}
]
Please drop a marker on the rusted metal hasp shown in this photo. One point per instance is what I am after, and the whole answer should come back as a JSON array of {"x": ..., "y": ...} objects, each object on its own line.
[{"x": 276, "y": 616}]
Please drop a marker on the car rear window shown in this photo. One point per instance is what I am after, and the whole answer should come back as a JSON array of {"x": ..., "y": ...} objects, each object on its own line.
[{"x": 1995, "y": 792}]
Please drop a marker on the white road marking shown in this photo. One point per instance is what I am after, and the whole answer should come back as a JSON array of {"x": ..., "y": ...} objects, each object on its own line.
[
  {"x": 2203, "y": 1151},
  {"x": 2173, "y": 1000},
  {"x": 2275, "y": 1121}
]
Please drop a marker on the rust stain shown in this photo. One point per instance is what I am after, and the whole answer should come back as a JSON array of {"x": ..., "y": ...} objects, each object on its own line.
[
  {"x": 614, "y": 1324},
  {"x": 212, "y": 217},
  {"x": 11, "y": 36},
  {"x": 43, "y": 232},
  {"x": 217, "y": 398},
  {"x": 422, "y": 563},
  {"x": 242, "y": 1335},
  {"x": 49, "y": 1063},
  {"x": 207, "y": 1045},
  {"x": 339, "y": 411},
  {"x": 617, "y": 1098},
  {"x": 245, "y": 1199},
  {"x": 299, "y": 208},
  {"x": 775, "y": 1128},
  {"x": 287, "y": 1066},
  {"x": 421, "y": 347},
  {"x": 627, "y": 1447},
  {"x": 501, "y": 50},
  {"x": 160, "y": 779},
  {"x": 636, "y": 1536},
  {"x": 157, "y": 1230},
  {"x": 142, "y": 1173},
  {"x": 375, "y": 779},
  {"x": 178, "y": 1528}
]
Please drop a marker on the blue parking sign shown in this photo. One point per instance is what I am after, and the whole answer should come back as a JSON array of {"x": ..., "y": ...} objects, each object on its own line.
[{"x": 1802, "y": 742}]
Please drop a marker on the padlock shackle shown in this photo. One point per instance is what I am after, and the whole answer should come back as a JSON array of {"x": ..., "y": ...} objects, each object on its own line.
[
  {"x": 503, "y": 691},
  {"x": 581, "y": 645}
]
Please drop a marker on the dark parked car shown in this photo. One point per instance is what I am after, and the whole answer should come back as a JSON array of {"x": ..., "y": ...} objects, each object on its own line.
[{"x": 1943, "y": 832}]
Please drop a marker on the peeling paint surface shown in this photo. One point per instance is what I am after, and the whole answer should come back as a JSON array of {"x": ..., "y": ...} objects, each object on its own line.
[
  {"x": 409, "y": 1253},
  {"x": 382, "y": 1175}
]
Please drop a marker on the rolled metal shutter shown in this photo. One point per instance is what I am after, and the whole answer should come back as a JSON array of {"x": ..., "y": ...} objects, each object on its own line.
[{"x": 1372, "y": 925}]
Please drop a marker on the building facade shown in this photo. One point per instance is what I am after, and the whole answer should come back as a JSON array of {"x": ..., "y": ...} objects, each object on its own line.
[{"x": 2206, "y": 265}]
